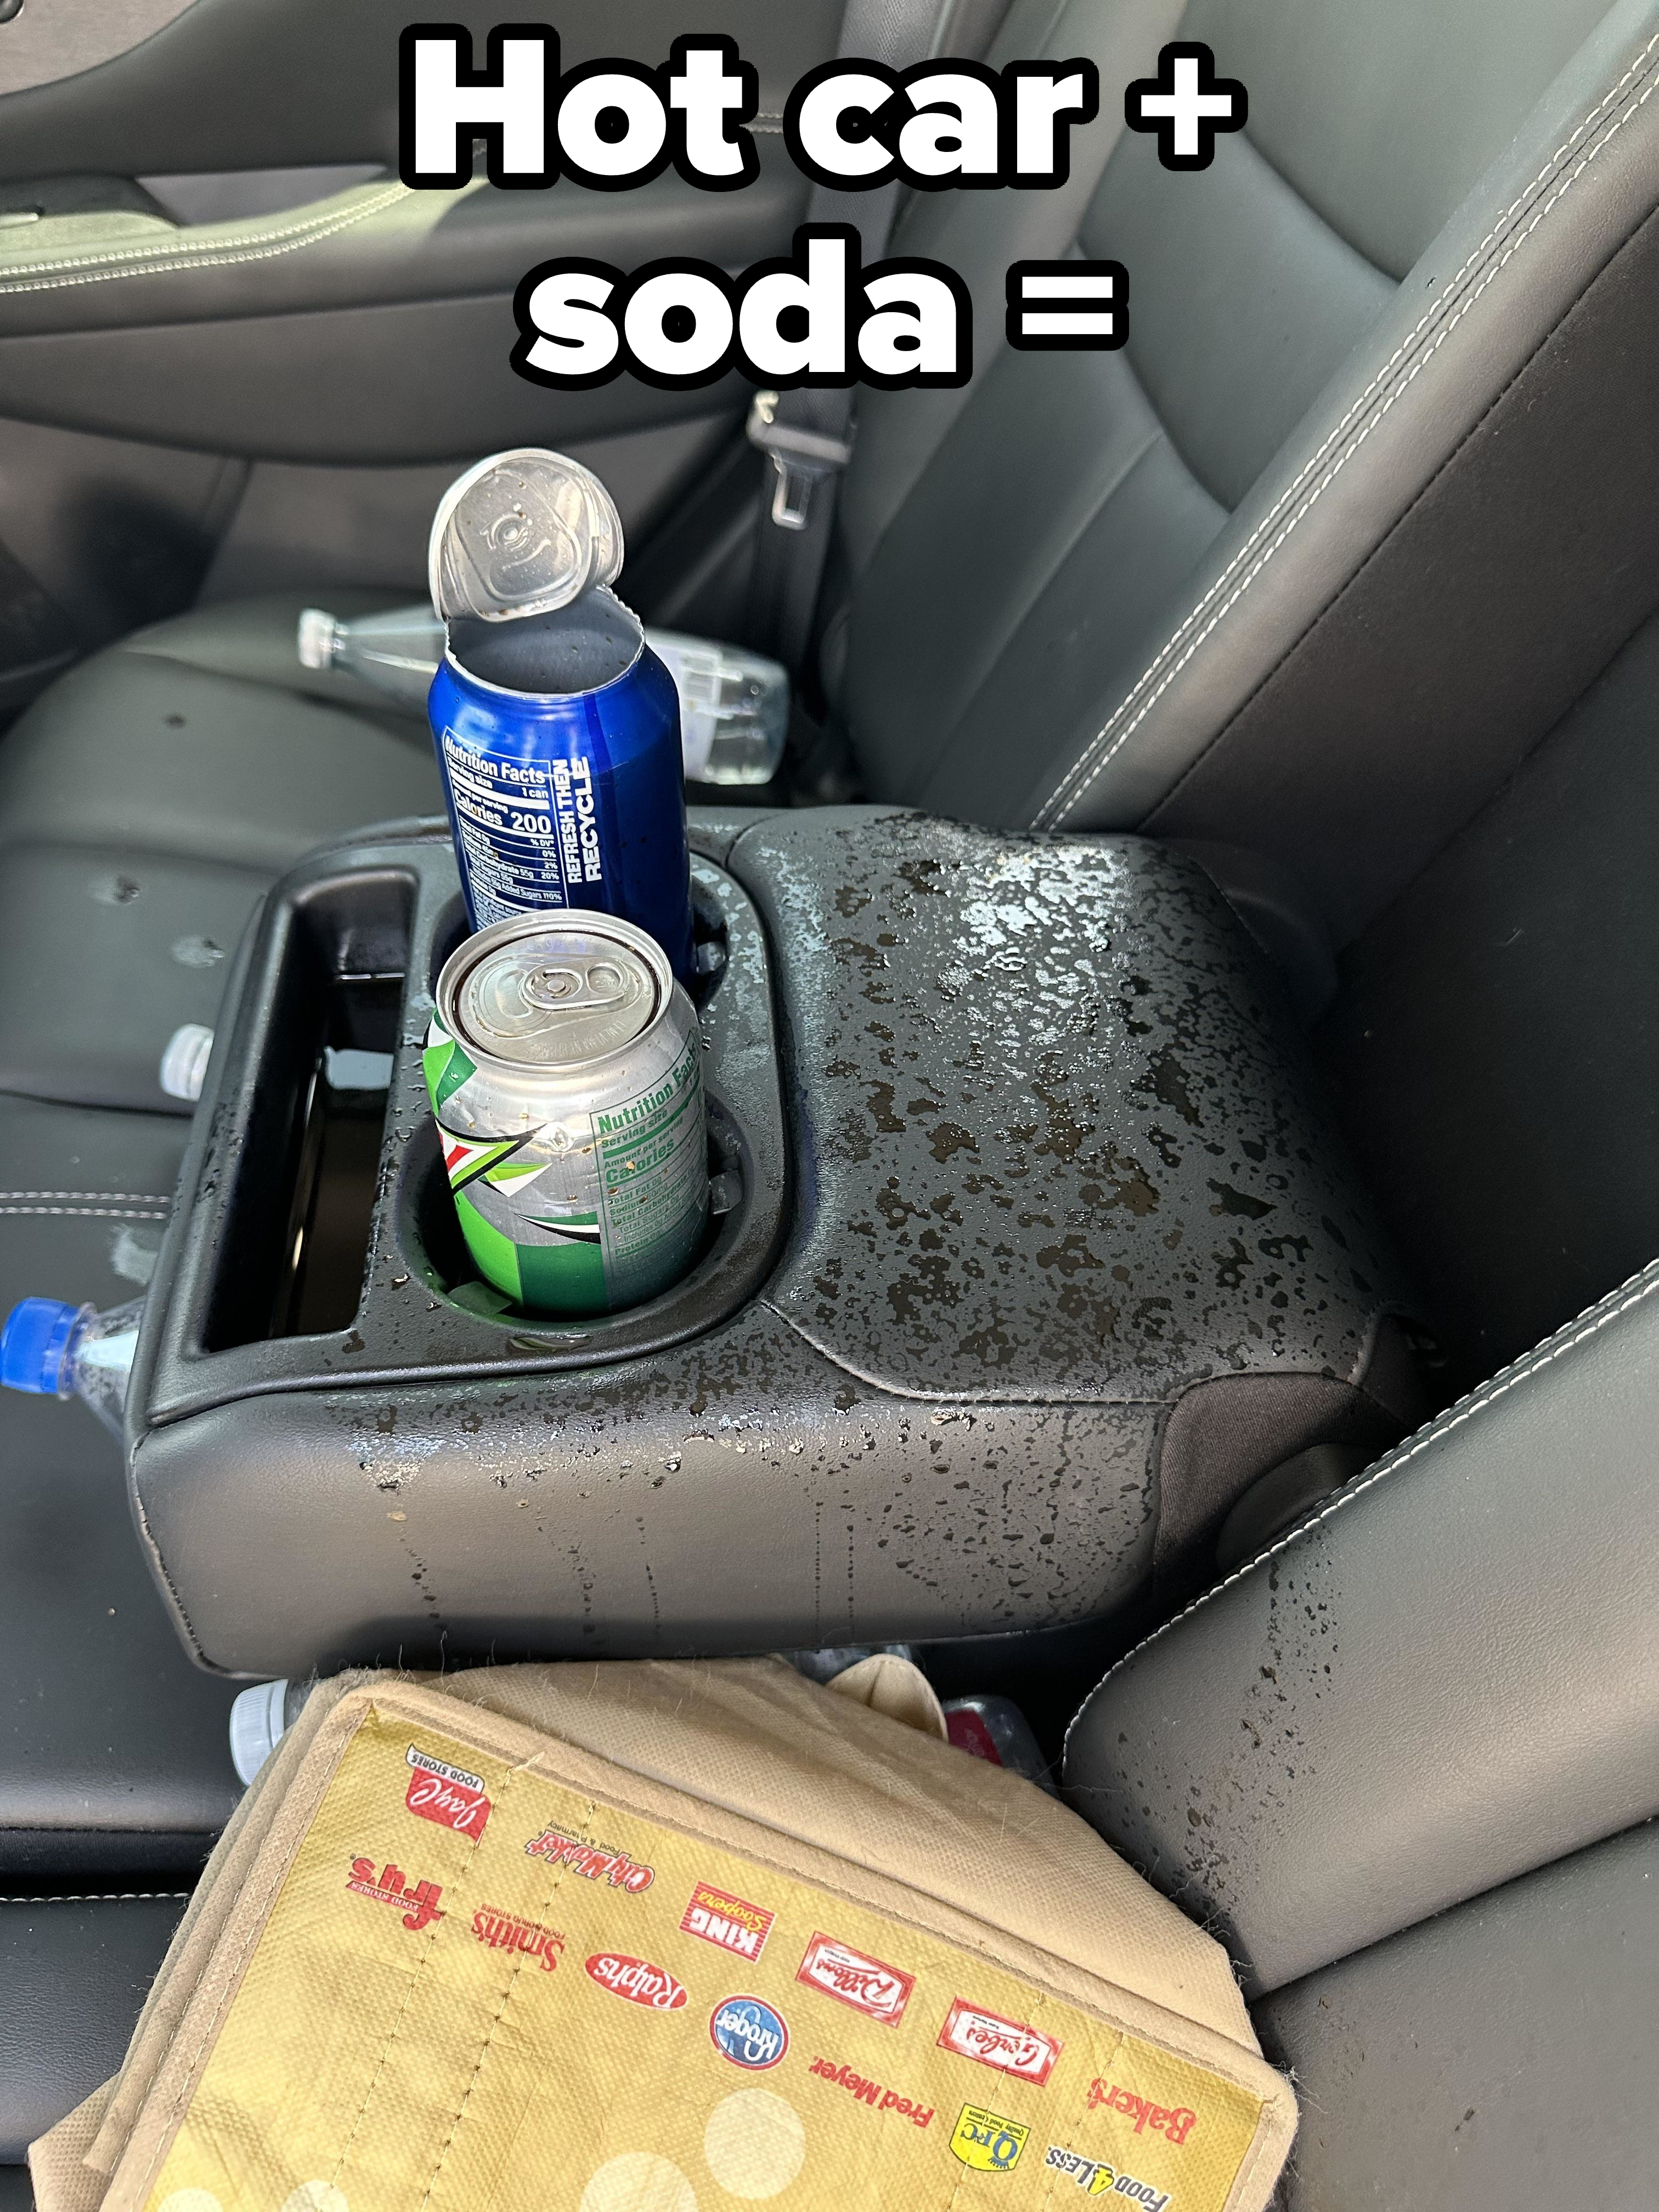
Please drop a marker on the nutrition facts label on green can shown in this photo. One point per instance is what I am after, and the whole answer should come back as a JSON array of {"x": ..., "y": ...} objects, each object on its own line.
[{"x": 654, "y": 1167}]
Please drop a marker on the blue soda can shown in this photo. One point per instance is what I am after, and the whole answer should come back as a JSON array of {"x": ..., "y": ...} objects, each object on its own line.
[{"x": 557, "y": 729}]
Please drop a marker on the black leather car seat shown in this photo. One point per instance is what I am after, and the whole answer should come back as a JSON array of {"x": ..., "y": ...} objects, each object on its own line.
[{"x": 1407, "y": 1763}]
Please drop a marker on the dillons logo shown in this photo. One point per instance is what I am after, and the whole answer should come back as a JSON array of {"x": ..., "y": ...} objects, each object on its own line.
[{"x": 748, "y": 2032}]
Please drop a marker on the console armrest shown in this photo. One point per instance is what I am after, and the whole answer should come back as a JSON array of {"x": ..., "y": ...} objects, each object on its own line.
[{"x": 1449, "y": 1677}]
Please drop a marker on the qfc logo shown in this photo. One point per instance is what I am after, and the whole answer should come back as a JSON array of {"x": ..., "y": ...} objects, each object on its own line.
[{"x": 748, "y": 2032}]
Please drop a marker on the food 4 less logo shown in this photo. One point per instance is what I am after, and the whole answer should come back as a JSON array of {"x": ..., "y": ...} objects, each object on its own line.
[{"x": 988, "y": 2142}]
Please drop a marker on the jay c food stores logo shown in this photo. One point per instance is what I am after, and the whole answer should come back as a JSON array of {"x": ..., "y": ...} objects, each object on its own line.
[{"x": 446, "y": 1794}]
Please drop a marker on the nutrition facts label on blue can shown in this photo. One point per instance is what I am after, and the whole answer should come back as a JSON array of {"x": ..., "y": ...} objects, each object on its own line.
[{"x": 529, "y": 830}]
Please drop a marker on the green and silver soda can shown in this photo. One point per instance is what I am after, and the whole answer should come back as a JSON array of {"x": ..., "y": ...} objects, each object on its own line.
[{"x": 564, "y": 1065}]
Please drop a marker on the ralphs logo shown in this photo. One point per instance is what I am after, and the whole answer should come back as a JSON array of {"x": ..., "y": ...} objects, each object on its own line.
[
  {"x": 637, "y": 1980},
  {"x": 988, "y": 2142},
  {"x": 869, "y": 1986},
  {"x": 748, "y": 2032},
  {"x": 447, "y": 1794},
  {"x": 1003, "y": 2044},
  {"x": 730, "y": 1922}
]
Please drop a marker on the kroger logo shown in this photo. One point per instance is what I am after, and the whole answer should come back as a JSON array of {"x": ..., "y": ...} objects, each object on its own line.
[{"x": 748, "y": 2032}]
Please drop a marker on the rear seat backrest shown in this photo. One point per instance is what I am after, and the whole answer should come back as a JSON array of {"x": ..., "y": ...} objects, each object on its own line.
[{"x": 1317, "y": 323}]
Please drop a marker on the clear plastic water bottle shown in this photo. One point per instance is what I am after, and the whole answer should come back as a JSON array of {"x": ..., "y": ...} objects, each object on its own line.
[
  {"x": 259, "y": 1719},
  {"x": 58, "y": 1350},
  {"x": 734, "y": 706}
]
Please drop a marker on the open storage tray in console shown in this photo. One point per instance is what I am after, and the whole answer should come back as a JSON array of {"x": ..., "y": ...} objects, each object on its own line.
[
  {"x": 321, "y": 1242},
  {"x": 1040, "y": 1250}
]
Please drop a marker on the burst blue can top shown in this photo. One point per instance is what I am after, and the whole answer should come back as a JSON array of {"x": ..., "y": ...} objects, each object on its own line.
[{"x": 557, "y": 729}]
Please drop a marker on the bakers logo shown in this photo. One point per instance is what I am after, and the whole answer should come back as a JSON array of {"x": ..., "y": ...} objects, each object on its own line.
[
  {"x": 1003, "y": 2044},
  {"x": 988, "y": 2142},
  {"x": 505, "y": 1931},
  {"x": 593, "y": 1862},
  {"x": 869, "y": 1986},
  {"x": 420, "y": 1902},
  {"x": 447, "y": 1794},
  {"x": 637, "y": 1980},
  {"x": 730, "y": 1922},
  {"x": 1097, "y": 2178},
  {"x": 748, "y": 2032},
  {"x": 1175, "y": 2122}
]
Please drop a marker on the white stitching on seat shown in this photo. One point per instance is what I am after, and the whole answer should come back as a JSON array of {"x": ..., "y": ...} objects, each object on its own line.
[
  {"x": 1058, "y": 806},
  {"x": 1566, "y": 1339},
  {"x": 90, "y": 1212},
  {"x": 107, "y": 1897},
  {"x": 102, "y": 1197},
  {"x": 174, "y": 256}
]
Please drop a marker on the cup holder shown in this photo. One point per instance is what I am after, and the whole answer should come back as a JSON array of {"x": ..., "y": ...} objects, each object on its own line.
[
  {"x": 708, "y": 938},
  {"x": 438, "y": 1255}
]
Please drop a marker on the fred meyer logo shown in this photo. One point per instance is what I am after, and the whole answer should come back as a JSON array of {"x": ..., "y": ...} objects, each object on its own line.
[
  {"x": 1003, "y": 2044},
  {"x": 732, "y": 1922},
  {"x": 748, "y": 2032},
  {"x": 986, "y": 2141},
  {"x": 637, "y": 1980},
  {"x": 869, "y": 1986},
  {"x": 447, "y": 1794}
]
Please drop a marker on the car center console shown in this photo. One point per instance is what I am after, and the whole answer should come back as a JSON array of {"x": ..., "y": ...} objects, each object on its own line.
[{"x": 1031, "y": 1250}]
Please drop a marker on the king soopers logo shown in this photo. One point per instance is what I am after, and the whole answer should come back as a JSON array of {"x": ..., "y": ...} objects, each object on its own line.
[{"x": 748, "y": 2032}]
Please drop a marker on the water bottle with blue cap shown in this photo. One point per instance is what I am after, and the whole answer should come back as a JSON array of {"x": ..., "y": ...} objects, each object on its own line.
[{"x": 58, "y": 1350}]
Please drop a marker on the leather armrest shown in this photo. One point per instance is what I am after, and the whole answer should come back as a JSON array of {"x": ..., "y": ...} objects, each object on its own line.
[{"x": 1449, "y": 1677}]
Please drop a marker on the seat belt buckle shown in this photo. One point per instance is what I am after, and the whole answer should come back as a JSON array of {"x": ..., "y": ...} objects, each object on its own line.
[{"x": 800, "y": 459}]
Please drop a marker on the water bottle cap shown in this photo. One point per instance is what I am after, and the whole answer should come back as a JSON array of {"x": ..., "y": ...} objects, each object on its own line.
[
  {"x": 33, "y": 1344},
  {"x": 257, "y": 1726},
  {"x": 525, "y": 532}
]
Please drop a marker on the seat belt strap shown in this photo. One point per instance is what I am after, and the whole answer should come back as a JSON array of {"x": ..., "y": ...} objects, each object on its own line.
[{"x": 808, "y": 434}]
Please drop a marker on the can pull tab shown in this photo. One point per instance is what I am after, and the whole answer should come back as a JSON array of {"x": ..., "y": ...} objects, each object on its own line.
[
  {"x": 525, "y": 532},
  {"x": 585, "y": 986}
]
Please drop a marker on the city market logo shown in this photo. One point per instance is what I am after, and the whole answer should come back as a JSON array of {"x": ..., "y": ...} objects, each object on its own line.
[
  {"x": 593, "y": 1862},
  {"x": 748, "y": 2032}
]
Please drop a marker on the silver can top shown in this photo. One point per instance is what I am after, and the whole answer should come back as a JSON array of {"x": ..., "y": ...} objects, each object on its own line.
[
  {"x": 553, "y": 990},
  {"x": 525, "y": 532}
]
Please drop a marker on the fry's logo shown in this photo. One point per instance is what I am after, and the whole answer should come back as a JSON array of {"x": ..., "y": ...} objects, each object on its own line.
[
  {"x": 637, "y": 1980},
  {"x": 1003, "y": 2044},
  {"x": 593, "y": 1862},
  {"x": 731, "y": 1922},
  {"x": 447, "y": 1794},
  {"x": 1096, "y": 2177},
  {"x": 1177, "y": 2123},
  {"x": 505, "y": 1932},
  {"x": 988, "y": 2142},
  {"x": 869, "y": 1986},
  {"x": 392, "y": 1889}
]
